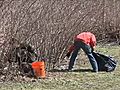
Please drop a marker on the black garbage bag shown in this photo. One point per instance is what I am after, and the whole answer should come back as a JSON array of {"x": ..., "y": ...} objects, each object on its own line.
[
  {"x": 26, "y": 70},
  {"x": 23, "y": 55},
  {"x": 105, "y": 63}
]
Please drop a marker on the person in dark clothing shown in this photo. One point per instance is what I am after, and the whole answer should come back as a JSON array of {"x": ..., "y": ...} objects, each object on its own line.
[{"x": 87, "y": 42}]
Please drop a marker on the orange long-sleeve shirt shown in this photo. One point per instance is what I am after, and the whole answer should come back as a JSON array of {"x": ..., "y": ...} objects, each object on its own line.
[{"x": 87, "y": 37}]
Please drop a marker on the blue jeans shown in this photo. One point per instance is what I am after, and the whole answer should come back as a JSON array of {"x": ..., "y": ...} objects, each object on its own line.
[{"x": 88, "y": 50}]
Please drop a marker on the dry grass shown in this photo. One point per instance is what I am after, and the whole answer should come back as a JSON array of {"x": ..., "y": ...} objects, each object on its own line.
[{"x": 78, "y": 80}]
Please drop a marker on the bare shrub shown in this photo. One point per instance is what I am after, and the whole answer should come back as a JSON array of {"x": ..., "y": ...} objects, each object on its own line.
[{"x": 50, "y": 25}]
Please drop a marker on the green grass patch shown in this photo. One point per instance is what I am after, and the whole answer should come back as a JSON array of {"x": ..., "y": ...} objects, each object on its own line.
[{"x": 78, "y": 80}]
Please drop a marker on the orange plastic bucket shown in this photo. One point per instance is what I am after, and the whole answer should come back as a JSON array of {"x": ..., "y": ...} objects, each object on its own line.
[{"x": 39, "y": 69}]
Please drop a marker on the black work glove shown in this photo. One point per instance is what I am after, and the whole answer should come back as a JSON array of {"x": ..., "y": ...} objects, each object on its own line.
[{"x": 68, "y": 54}]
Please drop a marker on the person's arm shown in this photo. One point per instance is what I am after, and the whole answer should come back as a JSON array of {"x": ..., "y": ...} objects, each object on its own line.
[
  {"x": 70, "y": 49},
  {"x": 93, "y": 42}
]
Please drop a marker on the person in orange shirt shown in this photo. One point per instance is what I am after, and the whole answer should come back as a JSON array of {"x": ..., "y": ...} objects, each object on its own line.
[{"x": 87, "y": 42}]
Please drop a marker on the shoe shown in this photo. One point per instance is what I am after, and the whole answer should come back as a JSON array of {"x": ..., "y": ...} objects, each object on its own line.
[
  {"x": 70, "y": 70},
  {"x": 94, "y": 71}
]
